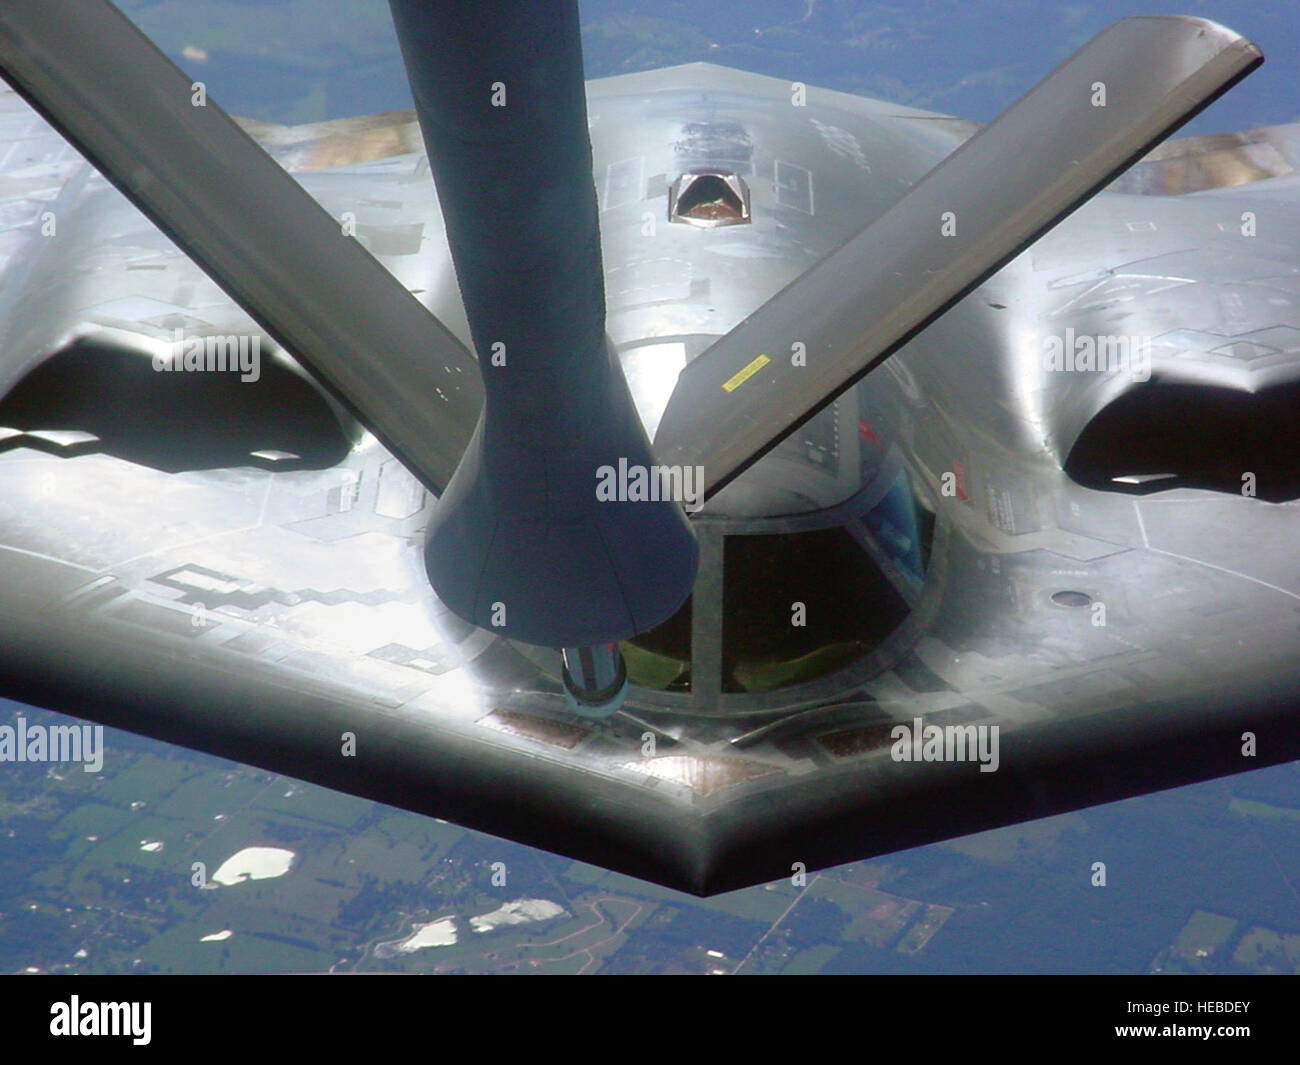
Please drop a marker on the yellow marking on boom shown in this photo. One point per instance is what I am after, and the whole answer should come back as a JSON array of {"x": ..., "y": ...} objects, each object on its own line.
[{"x": 737, "y": 379}]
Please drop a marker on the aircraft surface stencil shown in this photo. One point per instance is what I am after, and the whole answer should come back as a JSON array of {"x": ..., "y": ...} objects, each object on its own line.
[{"x": 692, "y": 472}]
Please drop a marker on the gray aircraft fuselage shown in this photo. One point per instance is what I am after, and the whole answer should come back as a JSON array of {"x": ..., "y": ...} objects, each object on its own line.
[{"x": 262, "y": 608}]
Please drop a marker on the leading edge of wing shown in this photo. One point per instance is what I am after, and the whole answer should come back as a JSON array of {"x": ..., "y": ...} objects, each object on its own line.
[{"x": 760, "y": 832}]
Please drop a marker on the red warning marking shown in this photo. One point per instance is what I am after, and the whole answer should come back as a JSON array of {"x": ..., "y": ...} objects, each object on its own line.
[
  {"x": 866, "y": 432},
  {"x": 959, "y": 474}
]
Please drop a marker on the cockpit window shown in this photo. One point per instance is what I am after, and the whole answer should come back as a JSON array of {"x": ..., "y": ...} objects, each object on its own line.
[
  {"x": 661, "y": 658},
  {"x": 903, "y": 527},
  {"x": 798, "y": 606}
]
